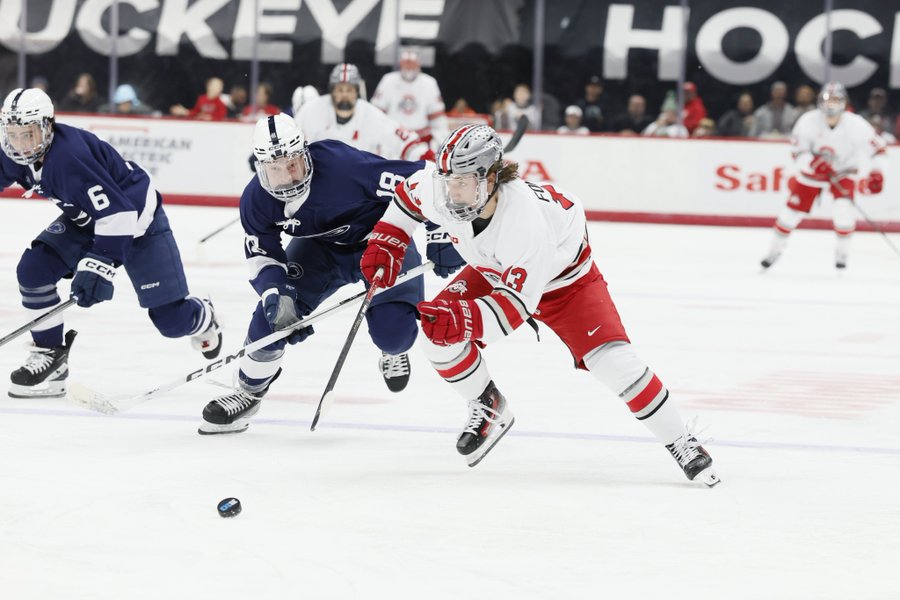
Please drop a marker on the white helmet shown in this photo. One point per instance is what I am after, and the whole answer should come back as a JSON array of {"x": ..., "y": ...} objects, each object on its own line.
[
  {"x": 26, "y": 125},
  {"x": 463, "y": 163},
  {"x": 285, "y": 167},
  {"x": 302, "y": 95},
  {"x": 832, "y": 99}
]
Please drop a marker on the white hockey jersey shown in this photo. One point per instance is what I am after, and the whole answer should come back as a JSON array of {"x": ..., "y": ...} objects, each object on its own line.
[
  {"x": 368, "y": 129},
  {"x": 535, "y": 242},
  {"x": 852, "y": 146},
  {"x": 416, "y": 105}
]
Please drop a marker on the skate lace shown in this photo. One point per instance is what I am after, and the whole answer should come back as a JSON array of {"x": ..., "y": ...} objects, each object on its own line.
[
  {"x": 38, "y": 360},
  {"x": 687, "y": 447},
  {"x": 394, "y": 365},
  {"x": 478, "y": 413},
  {"x": 234, "y": 403}
]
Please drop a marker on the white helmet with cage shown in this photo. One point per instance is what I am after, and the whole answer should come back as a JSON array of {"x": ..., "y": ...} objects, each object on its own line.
[
  {"x": 463, "y": 163},
  {"x": 285, "y": 167},
  {"x": 26, "y": 125},
  {"x": 832, "y": 99}
]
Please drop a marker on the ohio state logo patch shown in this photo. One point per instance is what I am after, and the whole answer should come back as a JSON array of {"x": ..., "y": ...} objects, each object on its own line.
[{"x": 458, "y": 287}]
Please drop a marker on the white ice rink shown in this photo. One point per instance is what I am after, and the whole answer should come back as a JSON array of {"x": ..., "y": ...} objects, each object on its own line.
[{"x": 794, "y": 372}]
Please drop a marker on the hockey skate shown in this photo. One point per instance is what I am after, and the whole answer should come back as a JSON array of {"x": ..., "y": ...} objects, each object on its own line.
[
  {"x": 395, "y": 370},
  {"x": 208, "y": 341},
  {"x": 769, "y": 260},
  {"x": 44, "y": 373},
  {"x": 693, "y": 459},
  {"x": 840, "y": 260},
  {"x": 489, "y": 420},
  {"x": 231, "y": 413}
]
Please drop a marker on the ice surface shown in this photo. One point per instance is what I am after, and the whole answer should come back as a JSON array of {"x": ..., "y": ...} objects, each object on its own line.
[{"x": 795, "y": 373}]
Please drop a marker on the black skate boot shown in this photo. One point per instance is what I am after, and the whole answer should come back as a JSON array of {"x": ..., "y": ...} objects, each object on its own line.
[
  {"x": 489, "y": 420},
  {"x": 840, "y": 260},
  {"x": 693, "y": 459},
  {"x": 44, "y": 373},
  {"x": 208, "y": 341},
  {"x": 231, "y": 413},
  {"x": 395, "y": 370}
]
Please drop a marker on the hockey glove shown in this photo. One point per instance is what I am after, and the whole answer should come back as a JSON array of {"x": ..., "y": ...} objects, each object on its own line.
[
  {"x": 875, "y": 182},
  {"x": 93, "y": 280},
  {"x": 441, "y": 252},
  {"x": 282, "y": 310},
  {"x": 821, "y": 169},
  {"x": 387, "y": 245},
  {"x": 447, "y": 322}
]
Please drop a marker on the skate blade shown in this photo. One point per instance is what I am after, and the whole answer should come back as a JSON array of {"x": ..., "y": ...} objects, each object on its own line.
[
  {"x": 238, "y": 426},
  {"x": 91, "y": 400},
  {"x": 708, "y": 477},
  {"x": 477, "y": 456},
  {"x": 52, "y": 390}
]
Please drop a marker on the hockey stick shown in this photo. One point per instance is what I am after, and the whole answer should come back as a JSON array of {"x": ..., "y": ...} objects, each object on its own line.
[
  {"x": 836, "y": 183},
  {"x": 521, "y": 126},
  {"x": 34, "y": 323},
  {"x": 220, "y": 229},
  {"x": 373, "y": 289},
  {"x": 112, "y": 405}
]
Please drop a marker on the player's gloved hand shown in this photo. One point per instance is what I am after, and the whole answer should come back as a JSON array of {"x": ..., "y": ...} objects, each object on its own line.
[
  {"x": 93, "y": 280},
  {"x": 282, "y": 309},
  {"x": 821, "y": 169},
  {"x": 447, "y": 322},
  {"x": 875, "y": 182},
  {"x": 441, "y": 252},
  {"x": 387, "y": 245}
]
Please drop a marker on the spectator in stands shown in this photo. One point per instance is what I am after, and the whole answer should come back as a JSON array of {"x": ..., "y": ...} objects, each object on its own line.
[
  {"x": 805, "y": 99},
  {"x": 461, "y": 108},
  {"x": 263, "y": 108},
  {"x": 667, "y": 124},
  {"x": 209, "y": 106},
  {"x": 573, "y": 124},
  {"x": 594, "y": 105},
  {"x": 705, "y": 128},
  {"x": 520, "y": 105},
  {"x": 737, "y": 122},
  {"x": 877, "y": 106},
  {"x": 83, "y": 97},
  {"x": 776, "y": 117},
  {"x": 694, "y": 109},
  {"x": 125, "y": 102},
  {"x": 634, "y": 120},
  {"x": 235, "y": 100}
]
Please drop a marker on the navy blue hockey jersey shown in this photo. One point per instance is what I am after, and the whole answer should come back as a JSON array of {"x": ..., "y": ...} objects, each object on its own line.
[
  {"x": 90, "y": 182},
  {"x": 349, "y": 192}
]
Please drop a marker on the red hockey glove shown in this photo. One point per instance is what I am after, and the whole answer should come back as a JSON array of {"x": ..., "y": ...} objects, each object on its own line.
[
  {"x": 875, "y": 182},
  {"x": 387, "y": 245},
  {"x": 451, "y": 322},
  {"x": 821, "y": 169}
]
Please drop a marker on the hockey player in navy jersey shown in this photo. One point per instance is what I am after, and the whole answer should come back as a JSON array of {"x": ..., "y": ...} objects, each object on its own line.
[
  {"x": 112, "y": 217},
  {"x": 327, "y": 196}
]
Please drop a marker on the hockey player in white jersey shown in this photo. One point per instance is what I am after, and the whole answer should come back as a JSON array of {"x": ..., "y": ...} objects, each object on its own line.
[
  {"x": 528, "y": 255},
  {"x": 413, "y": 99},
  {"x": 832, "y": 150},
  {"x": 343, "y": 114}
]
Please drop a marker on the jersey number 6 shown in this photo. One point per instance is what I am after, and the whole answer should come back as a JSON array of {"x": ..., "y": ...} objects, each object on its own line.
[{"x": 98, "y": 198}]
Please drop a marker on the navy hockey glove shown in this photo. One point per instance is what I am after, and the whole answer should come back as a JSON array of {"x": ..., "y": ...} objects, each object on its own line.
[
  {"x": 282, "y": 310},
  {"x": 441, "y": 252},
  {"x": 93, "y": 280}
]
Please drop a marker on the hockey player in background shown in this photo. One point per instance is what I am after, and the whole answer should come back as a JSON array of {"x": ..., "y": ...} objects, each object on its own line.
[
  {"x": 343, "y": 114},
  {"x": 528, "y": 255},
  {"x": 832, "y": 150},
  {"x": 112, "y": 217},
  {"x": 327, "y": 196},
  {"x": 413, "y": 99}
]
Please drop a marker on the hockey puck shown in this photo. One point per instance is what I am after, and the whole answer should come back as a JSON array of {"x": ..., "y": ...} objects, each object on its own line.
[{"x": 229, "y": 507}]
